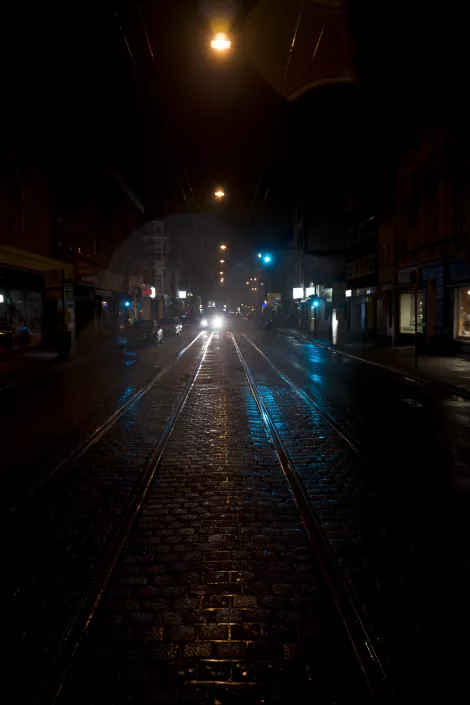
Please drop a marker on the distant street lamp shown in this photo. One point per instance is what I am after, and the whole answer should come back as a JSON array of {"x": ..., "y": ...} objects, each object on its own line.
[
  {"x": 222, "y": 261},
  {"x": 221, "y": 42},
  {"x": 220, "y": 193},
  {"x": 223, "y": 247}
]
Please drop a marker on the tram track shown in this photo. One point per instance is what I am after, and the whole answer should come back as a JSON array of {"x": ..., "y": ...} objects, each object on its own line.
[
  {"x": 243, "y": 567},
  {"x": 79, "y": 451},
  {"x": 363, "y": 641},
  {"x": 73, "y": 546}
]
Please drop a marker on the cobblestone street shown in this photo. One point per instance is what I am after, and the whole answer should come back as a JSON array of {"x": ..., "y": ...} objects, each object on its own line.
[{"x": 173, "y": 560}]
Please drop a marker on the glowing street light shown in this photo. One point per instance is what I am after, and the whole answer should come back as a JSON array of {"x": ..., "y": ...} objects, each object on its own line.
[
  {"x": 259, "y": 255},
  {"x": 221, "y": 42},
  {"x": 223, "y": 247},
  {"x": 220, "y": 272},
  {"x": 220, "y": 193},
  {"x": 221, "y": 280},
  {"x": 222, "y": 261}
]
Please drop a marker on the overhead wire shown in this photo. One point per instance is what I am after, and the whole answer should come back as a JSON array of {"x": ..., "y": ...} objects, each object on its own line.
[{"x": 152, "y": 57}]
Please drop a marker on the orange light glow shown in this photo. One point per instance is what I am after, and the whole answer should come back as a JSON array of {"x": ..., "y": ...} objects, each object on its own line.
[{"x": 220, "y": 42}]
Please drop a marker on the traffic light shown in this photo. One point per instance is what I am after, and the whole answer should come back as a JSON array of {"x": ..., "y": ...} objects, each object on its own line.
[
  {"x": 265, "y": 257},
  {"x": 315, "y": 301}
]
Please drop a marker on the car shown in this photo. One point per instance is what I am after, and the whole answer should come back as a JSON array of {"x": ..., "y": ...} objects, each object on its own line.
[
  {"x": 145, "y": 332},
  {"x": 171, "y": 325},
  {"x": 213, "y": 322},
  {"x": 187, "y": 319}
]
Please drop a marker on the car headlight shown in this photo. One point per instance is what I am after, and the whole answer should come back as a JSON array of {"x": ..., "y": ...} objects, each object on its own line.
[
  {"x": 204, "y": 322},
  {"x": 218, "y": 322}
]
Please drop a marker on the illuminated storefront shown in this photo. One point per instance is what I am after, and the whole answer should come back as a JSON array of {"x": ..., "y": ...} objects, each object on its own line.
[
  {"x": 21, "y": 309},
  {"x": 462, "y": 313},
  {"x": 407, "y": 312}
]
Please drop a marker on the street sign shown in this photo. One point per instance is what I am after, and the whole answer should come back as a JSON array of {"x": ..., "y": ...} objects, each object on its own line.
[{"x": 274, "y": 300}]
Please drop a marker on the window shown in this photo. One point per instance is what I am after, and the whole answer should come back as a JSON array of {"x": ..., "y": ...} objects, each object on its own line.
[
  {"x": 463, "y": 312},
  {"x": 407, "y": 313}
]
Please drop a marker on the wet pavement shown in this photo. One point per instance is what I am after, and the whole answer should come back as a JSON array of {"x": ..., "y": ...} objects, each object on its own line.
[
  {"x": 217, "y": 594},
  {"x": 46, "y": 418}
]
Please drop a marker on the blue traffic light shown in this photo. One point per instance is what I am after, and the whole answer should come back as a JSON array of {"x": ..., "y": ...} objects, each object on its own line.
[
  {"x": 267, "y": 259},
  {"x": 127, "y": 303},
  {"x": 316, "y": 304}
]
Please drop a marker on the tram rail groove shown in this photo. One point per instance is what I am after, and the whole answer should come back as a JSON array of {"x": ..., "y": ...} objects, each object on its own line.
[
  {"x": 85, "y": 610},
  {"x": 359, "y": 633},
  {"x": 308, "y": 400},
  {"x": 99, "y": 432}
]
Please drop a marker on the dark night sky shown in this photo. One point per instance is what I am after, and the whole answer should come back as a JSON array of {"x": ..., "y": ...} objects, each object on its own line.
[{"x": 71, "y": 80}]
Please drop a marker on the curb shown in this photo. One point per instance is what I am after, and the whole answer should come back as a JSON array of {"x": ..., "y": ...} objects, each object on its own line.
[{"x": 452, "y": 389}]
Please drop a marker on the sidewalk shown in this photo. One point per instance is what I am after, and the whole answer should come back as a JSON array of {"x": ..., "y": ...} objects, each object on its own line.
[
  {"x": 452, "y": 373},
  {"x": 19, "y": 367}
]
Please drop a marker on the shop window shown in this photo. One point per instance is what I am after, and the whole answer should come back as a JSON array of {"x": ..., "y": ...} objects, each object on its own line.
[
  {"x": 407, "y": 313},
  {"x": 463, "y": 312}
]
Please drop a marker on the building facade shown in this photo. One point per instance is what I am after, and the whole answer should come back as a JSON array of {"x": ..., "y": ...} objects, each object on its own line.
[
  {"x": 158, "y": 271},
  {"x": 364, "y": 312},
  {"x": 60, "y": 223},
  {"x": 315, "y": 270},
  {"x": 427, "y": 241}
]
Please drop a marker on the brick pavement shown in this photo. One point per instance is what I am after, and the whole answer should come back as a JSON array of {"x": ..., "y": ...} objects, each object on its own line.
[
  {"x": 384, "y": 541},
  {"x": 217, "y": 597},
  {"x": 57, "y": 539}
]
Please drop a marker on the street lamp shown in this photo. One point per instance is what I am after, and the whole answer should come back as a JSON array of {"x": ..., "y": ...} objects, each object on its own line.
[
  {"x": 222, "y": 261},
  {"x": 223, "y": 247},
  {"x": 220, "y": 193},
  {"x": 221, "y": 42},
  {"x": 221, "y": 280}
]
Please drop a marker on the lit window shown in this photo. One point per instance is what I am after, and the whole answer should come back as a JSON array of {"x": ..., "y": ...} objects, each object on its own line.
[
  {"x": 407, "y": 313},
  {"x": 463, "y": 312}
]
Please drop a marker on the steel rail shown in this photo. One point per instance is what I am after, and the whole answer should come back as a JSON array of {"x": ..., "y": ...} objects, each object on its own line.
[
  {"x": 359, "y": 633},
  {"x": 85, "y": 610},
  {"x": 99, "y": 432},
  {"x": 308, "y": 400}
]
